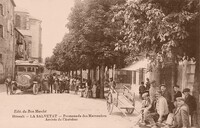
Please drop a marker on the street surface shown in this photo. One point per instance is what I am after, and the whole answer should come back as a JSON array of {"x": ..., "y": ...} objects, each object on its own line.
[{"x": 26, "y": 110}]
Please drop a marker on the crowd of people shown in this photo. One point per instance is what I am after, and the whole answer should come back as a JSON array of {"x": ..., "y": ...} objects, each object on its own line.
[
  {"x": 55, "y": 83},
  {"x": 161, "y": 107}
]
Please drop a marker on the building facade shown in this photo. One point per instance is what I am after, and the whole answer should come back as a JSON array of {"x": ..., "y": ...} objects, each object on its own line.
[
  {"x": 36, "y": 32},
  {"x": 7, "y": 46},
  {"x": 31, "y": 29}
]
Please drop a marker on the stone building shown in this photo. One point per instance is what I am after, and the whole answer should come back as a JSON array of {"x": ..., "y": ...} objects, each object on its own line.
[
  {"x": 21, "y": 46},
  {"x": 31, "y": 29},
  {"x": 7, "y": 46},
  {"x": 36, "y": 31}
]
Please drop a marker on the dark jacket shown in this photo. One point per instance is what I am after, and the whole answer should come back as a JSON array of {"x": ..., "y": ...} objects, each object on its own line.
[
  {"x": 191, "y": 102},
  {"x": 142, "y": 89},
  {"x": 182, "y": 117},
  {"x": 147, "y": 86},
  {"x": 167, "y": 96},
  {"x": 177, "y": 94}
]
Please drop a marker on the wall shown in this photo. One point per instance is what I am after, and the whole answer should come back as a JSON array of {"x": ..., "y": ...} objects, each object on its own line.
[
  {"x": 35, "y": 29},
  {"x": 31, "y": 29},
  {"x": 186, "y": 71},
  {"x": 7, "y": 41},
  {"x": 22, "y": 20}
]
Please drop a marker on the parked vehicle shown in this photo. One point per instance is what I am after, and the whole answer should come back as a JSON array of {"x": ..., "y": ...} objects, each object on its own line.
[{"x": 28, "y": 75}]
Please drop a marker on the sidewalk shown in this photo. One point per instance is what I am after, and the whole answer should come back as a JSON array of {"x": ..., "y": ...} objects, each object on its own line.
[{"x": 2, "y": 88}]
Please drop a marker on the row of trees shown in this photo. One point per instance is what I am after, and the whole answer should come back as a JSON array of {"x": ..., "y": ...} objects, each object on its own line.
[
  {"x": 107, "y": 32},
  {"x": 91, "y": 40}
]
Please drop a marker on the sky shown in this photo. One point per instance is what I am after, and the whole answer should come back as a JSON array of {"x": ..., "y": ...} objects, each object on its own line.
[{"x": 53, "y": 14}]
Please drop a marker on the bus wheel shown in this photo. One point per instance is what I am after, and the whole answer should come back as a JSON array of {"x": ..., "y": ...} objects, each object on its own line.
[
  {"x": 35, "y": 89},
  {"x": 12, "y": 89}
]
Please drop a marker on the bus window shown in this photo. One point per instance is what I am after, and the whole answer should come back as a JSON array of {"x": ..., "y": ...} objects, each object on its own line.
[
  {"x": 22, "y": 69},
  {"x": 30, "y": 69}
]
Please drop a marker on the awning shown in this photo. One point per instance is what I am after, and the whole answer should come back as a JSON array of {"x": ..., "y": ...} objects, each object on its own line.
[{"x": 137, "y": 65}]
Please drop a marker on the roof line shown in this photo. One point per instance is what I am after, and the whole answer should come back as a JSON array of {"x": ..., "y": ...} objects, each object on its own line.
[
  {"x": 19, "y": 31},
  {"x": 13, "y": 3}
]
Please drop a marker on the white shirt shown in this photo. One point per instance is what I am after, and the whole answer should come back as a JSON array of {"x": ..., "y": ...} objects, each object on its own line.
[{"x": 162, "y": 106}]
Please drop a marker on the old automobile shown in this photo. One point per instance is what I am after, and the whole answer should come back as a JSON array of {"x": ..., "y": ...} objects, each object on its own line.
[{"x": 28, "y": 76}]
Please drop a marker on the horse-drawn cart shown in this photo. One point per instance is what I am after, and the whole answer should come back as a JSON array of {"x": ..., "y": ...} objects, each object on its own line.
[{"x": 121, "y": 98}]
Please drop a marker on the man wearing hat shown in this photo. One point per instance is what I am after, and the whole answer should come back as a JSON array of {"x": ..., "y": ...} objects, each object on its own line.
[
  {"x": 177, "y": 93},
  {"x": 191, "y": 102},
  {"x": 181, "y": 115},
  {"x": 8, "y": 84},
  {"x": 152, "y": 90},
  {"x": 161, "y": 110},
  {"x": 167, "y": 95},
  {"x": 146, "y": 105}
]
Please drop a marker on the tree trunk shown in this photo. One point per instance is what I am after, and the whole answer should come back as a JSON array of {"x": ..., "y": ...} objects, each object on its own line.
[
  {"x": 196, "y": 86},
  {"x": 95, "y": 74},
  {"x": 76, "y": 73},
  {"x": 155, "y": 74},
  {"x": 81, "y": 74},
  {"x": 102, "y": 77},
  {"x": 72, "y": 73},
  {"x": 174, "y": 75},
  {"x": 88, "y": 74}
]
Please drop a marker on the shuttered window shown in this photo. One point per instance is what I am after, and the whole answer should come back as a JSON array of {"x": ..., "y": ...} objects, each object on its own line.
[
  {"x": 1, "y": 10},
  {"x": 1, "y": 31}
]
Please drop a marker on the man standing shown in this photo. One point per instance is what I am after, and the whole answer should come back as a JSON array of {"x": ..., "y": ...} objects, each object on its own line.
[
  {"x": 177, "y": 93},
  {"x": 167, "y": 96},
  {"x": 165, "y": 93},
  {"x": 51, "y": 82},
  {"x": 142, "y": 89},
  {"x": 147, "y": 84},
  {"x": 112, "y": 83},
  {"x": 8, "y": 84},
  {"x": 191, "y": 102}
]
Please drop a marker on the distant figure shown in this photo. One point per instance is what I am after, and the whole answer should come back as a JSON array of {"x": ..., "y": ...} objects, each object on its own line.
[
  {"x": 45, "y": 85},
  {"x": 142, "y": 89},
  {"x": 152, "y": 90},
  {"x": 56, "y": 84},
  {"x": 112, "y": 83},
  {"x": 88, "y": 90},
  {"x": 77, "y": 85},
  {"x": 177, "y": 93},
  {"x": 51, "y": 82},
  {"x": 94, "y": 89},
  {"x": 82, "y": 88},
  {"x": 148, "y": 84},
  {"x": 191, "y": 102},
  {"x": 8, "y": 84},
  {"x": 98, "y": 89}
]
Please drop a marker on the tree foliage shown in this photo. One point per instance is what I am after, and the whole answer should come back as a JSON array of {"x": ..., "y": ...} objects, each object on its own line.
[
  {"x": 92, "y": 37},
  {"x": 162, "y": 27}
]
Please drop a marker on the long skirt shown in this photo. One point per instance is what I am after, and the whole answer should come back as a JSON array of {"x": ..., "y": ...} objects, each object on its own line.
[{"x": 56, "y": 86}]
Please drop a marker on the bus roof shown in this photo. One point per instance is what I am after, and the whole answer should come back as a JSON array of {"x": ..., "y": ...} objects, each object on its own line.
[{"x": 28, "y": 63}]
